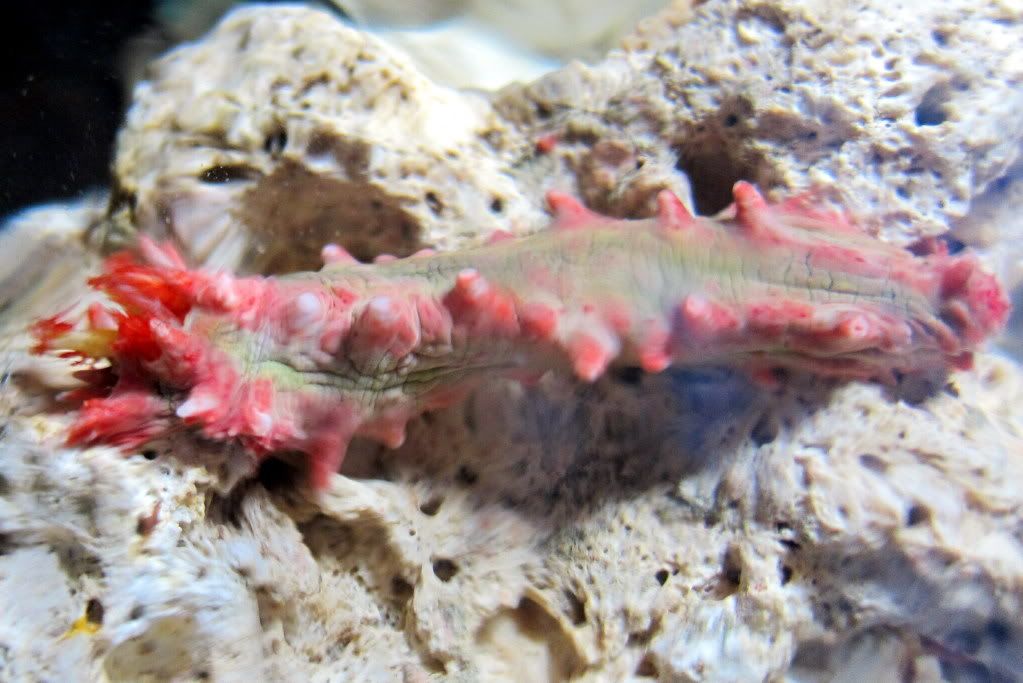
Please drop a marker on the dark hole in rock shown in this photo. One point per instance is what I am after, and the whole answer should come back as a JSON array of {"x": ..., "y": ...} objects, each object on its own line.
[
  {"x": 730, "y": 579},
  {"x": 122, "y": 200},
  {"x": 932, "y": 108},
  {"x": 275, "y": 142},
  {"x": 228, "y": 173},
  {"x": 917, "y": 514},
  {"x": 94, "y": 611},
  {"x": 662, "y": 576},
  {"x": 293, "y": 212},
  {"x": 998, "y": 631},
  {"x": 954, "y": 246},
  {"x": 646, "y": 668},
  {"x": 628, "y": 374},
  {"x": 150, "y": 454},
  {"x": 764, "y": 431},
  {"x": 786, "y": 574},
  {"x": 576, "y": 608},
  {"x": 431, "y": 506},
  {"x": 137, "y": 612},
  {"x": 466, "y": 476},
  {"x": 444, "y": 569},
  {"x": 434, "y": 202},
  {"x": 496, "y": 205},
  {"x": 713, "y": 165},
  {"x": 872, "y": 462},
  {"x": 790, "y": 544},
  {"x": 401, "y": 589},
  {"x": 227, "y": 508},
  {"x": 276, "y": 474}
]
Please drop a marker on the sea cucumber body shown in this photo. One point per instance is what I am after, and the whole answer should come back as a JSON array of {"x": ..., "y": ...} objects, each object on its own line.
[{"x": 306, "y": 362}]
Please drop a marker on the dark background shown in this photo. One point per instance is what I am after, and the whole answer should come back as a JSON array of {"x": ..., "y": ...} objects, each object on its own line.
[{"x": 62, "y": 96}]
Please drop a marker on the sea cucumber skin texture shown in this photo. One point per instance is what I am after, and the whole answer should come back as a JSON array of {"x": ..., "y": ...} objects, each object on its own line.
[{"x": 308, "y": 361}]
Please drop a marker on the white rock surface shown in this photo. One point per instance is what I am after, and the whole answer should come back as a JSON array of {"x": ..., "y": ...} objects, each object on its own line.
[{"x": 681, "y": 527}]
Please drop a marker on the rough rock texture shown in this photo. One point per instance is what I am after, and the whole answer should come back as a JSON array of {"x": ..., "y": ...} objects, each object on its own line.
[
  {"x": 680, "y": 527},
  {"x": 299, "y": 130}
]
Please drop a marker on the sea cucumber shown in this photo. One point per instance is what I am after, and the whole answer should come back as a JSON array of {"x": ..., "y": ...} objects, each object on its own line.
[{"x": 307, "y": 361}]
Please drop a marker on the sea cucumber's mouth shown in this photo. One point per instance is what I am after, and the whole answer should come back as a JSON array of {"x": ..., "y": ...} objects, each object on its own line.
[{"x": 248, "y": 360}]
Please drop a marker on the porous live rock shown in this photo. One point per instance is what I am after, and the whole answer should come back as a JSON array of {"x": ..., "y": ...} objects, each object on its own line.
[
  {"x": 302, "y": 130},
  {"x": 683, "y": 526},
  {"x": 285, "y": 130},
  {"x": 905, "y": 107}
]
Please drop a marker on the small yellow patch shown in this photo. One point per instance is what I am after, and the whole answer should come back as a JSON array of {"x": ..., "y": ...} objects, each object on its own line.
[
  {"x": 89, "y": 343},
  {"x": 82, "y": 626},
  {"x": 89, "y": 623}
]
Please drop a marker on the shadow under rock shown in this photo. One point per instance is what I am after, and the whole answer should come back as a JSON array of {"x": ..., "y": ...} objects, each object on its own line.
[{"x": 563, "y": 449}]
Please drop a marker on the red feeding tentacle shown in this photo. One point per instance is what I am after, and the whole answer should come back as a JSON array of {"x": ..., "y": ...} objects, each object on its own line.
[
  {"x": 128, "y": 418},
  {"x": 47, "y": 331},
  {"x": 145, "y": 289}
]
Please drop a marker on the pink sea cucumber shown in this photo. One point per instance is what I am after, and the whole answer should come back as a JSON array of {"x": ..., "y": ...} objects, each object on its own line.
[{"x": 307, "y": 361}]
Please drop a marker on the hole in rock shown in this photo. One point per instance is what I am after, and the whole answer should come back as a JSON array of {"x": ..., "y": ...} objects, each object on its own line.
[
  {"x": 466, "y": 476},
  {"x": 434, "y": 202},
  {"x": 292, "y": 212},
  {"x": 228, "y": 173},
  {"x": 576, "y": 608},
  {"x": 94, "y": 611},
  {"x": 932, "y": 110},
  {"x": 646, "y": 668},
  {"x": 917, "y": 514},
  {"x": 764, "y": 431},
  {"x": 444, "y": 569},
  {"x": 275, "y": 142},
  {"x": 714, "y": 162},
  {"x": 431, "y": 506}
]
